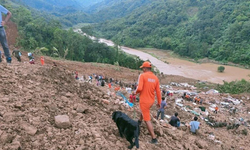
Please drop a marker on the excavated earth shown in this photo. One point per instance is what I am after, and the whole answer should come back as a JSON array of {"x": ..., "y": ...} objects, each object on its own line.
[{"x": 31, "y": 96}]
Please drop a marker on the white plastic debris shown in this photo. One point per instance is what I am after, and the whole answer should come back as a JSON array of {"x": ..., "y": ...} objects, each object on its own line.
[
  {"x": 167, "y": 116},
  {"x": 212, "y": 91}
]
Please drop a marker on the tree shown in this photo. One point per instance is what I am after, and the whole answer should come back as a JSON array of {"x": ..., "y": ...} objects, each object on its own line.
[
  {"x": 221, "y": 68},
  {"x": 55, "y": 52},
  {"x": 41, "y": 50},
  {"x": 87, "y": 29}
]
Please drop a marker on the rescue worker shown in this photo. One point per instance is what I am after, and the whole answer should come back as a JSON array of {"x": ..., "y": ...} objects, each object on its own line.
[
  {"x": 42, "y": 60},
  {"x": 197, "y": 99},
  {"x": 216, "y": 109},
  {"x": 109, "y": 85},
  {"x": 148, "y": 83},
  {"x": 187, "y": 97}
]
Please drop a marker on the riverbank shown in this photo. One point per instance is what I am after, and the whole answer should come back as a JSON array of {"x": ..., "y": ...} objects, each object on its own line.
[
  {"x": 170, "y": 53},
  {"x": 169, "y": 65}
]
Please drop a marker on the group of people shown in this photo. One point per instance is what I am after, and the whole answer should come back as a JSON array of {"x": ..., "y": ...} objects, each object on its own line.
[
  {"x": 4, "y": 43},
  {"x": 175, "y": 120},
  {"x": 99, "y": 79},
  {"x": 148, "y": 83},
  {"x": 167, "y": 92},
  {"x": 197, "y": 99},
  {"x": 32, "y": 59},
  {"x": 17, "y": 53}
]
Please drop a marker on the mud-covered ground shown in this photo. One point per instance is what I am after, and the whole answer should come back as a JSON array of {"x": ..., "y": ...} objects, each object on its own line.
[{"x": 31, "y": 96}]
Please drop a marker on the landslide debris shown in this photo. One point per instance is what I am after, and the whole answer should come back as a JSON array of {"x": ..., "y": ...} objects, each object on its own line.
[{"x": 45, "y": 108}]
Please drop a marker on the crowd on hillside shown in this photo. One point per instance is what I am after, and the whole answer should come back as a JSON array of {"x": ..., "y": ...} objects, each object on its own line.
[{"x": 117, "y": 85}]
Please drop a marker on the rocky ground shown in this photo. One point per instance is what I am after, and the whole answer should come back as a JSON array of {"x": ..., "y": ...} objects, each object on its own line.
[{"x": 43, "y": 107}]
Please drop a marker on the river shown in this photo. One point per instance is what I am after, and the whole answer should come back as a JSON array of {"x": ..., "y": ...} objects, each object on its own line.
[{"x": 176, "y": 66}]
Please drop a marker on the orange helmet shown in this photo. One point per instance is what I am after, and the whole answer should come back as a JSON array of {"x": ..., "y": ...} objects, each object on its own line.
[{"x": 146, "y": 64}]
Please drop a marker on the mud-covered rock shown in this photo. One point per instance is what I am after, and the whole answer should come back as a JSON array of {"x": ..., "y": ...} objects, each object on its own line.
[
  {"x": 62, "y": 121},
  {"x": 6, "y": 138},
  {"x": 81, "y": 108},
  {"x": 201, "y": 144},
  {"x": 29, "y": 129}
]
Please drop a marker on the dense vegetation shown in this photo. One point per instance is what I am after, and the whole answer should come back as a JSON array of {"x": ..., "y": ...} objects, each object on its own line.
[
  {"x": 52, "y": 5},
  {"x": 235, "y": 87},
  {"x": 71, "y": 12},
  {"x": 221, "y": 68},
  {"x": 111, "y": 9},
  {"x": 36, "y": 32},
  {"x": 217, "y": 29},
  {"x": 68, "y": 12}
]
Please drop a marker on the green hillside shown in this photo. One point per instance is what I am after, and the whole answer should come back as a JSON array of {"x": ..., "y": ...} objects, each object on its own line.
[
  {"x": 45, "y": 36},
  {"x": 87, "y": 3},
  {"x": 68, "y": 12},
  {"x": 217, "y": 29},
  {"x": 50, "y": 5},
  {"x": 111, "y": 9}
]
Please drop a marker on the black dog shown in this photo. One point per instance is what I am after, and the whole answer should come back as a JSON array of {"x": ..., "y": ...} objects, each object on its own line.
[{"x": 127, "y": 127}]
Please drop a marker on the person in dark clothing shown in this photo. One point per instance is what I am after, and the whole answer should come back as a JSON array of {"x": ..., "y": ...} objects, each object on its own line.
[
  {"x": 163, "y": 92},
  {"x": 102, "y": 83},
  {"x": 175, "y": 120},
  {"x": 17, "y": 54},
  {"x": 184, "y": 95}
]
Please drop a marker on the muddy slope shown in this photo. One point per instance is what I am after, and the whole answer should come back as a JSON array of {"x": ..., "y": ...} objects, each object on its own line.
[{"x": 33, "y": 97}]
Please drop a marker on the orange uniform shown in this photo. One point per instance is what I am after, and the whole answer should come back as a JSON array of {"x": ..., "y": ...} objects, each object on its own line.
[
  {"x": 117, "y": 88},
  {"x": 147, "y": 85},
  {"x": 197, "y": 99},
  {"x": 187, "y": 96},
  {"x": 42, "y": 60}
]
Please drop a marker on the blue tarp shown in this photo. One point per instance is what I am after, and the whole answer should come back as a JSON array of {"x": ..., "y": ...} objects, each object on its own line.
[{"x": 126, "y": 100}]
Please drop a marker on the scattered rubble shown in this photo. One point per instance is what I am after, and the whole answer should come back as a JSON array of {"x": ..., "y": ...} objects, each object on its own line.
[{"x": 45, "y": 108}]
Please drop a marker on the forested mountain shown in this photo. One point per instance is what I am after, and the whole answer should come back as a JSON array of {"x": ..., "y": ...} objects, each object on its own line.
[
  {"x": 217, "y": 29},
  {"x": 71, "y": 12},
  {"x": 50, "y": 5},
  {"x": 68, "y": 12},
  {"x": 45, "y": 36},
  {"x": 111, "y": 9},
  {"x": 86, "y": 3},
  {"x": 54, "y": 4}
]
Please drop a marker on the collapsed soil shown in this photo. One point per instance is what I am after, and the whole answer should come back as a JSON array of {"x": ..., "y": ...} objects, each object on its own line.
[{"x": 32, "y": 95}]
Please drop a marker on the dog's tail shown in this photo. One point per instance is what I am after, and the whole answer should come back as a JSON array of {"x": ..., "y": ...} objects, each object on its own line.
[{"x": 137, "y": 133}]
